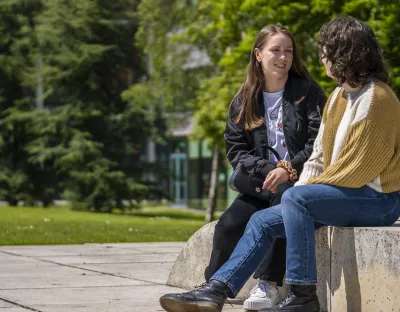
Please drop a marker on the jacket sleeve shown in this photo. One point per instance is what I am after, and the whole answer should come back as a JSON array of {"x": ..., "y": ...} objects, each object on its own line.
[
  {"x": 237, "y": 145},
  {"x": 315, "y": 102}
]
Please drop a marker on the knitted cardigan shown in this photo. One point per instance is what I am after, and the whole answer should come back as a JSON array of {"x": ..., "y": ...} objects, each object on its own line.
[{"x": 358, "y": 142}]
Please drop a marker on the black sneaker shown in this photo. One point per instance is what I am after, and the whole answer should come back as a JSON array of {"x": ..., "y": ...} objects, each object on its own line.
[
  {"x": 301, "y": 298},
  {"x": 208, "y": 298}
]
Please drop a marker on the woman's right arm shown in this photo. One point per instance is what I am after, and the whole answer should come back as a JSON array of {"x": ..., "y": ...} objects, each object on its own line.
[{"x": 237, "y": 145}]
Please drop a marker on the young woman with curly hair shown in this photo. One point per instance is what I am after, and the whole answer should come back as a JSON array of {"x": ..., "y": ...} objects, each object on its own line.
[{"x": 351, "y": 179}]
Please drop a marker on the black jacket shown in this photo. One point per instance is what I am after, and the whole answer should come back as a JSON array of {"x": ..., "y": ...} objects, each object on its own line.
[{"x": 302, "y": 105}]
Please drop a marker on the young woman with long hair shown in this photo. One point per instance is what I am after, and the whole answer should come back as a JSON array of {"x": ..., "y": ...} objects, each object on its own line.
[{"x": 280, "y": 105}]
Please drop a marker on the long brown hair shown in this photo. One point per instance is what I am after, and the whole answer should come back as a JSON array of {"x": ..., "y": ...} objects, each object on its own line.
[{"x": 254, "y": 81}]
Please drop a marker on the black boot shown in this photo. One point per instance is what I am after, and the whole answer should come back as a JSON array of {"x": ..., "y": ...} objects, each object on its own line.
[
  {"x": 209, "y": 298},
  {"x": 301, "y": 298}
]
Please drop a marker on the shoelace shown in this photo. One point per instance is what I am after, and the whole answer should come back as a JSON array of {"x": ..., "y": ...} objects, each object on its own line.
[
  {"x": 205, "y": 283},
  {"x": 287, "y": 299},
  {"x": 199, "y": 286},
  {"x": 261, "y": 288}
]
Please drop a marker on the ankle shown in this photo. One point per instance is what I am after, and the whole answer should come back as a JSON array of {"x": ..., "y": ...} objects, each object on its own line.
[
  {"x": 304, "y": 290},
  {"x": 220, "y": 288}
]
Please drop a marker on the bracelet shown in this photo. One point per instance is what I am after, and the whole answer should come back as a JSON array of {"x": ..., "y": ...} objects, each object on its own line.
[{"x": 288, "y": 166}]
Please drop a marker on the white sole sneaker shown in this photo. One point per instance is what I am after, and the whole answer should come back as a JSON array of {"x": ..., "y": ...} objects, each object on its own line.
[{"x": 255, "y": 306}]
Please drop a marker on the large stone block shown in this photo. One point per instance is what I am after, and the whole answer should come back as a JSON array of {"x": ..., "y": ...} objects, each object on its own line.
[
  {"x": 323, "y": 267},
  {"x": 188, "y": 269},
  {"x": 365, "y": 271}
]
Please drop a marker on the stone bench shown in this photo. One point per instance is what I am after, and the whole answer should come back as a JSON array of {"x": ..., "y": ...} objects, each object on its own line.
[{"x": 358, "y": 268}]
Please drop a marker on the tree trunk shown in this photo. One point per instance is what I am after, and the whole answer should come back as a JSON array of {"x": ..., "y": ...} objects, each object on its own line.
[{"x": 212, "y": 195}]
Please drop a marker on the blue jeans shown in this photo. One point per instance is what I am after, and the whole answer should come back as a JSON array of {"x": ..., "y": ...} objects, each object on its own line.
[{"x": 301, "y": 210}]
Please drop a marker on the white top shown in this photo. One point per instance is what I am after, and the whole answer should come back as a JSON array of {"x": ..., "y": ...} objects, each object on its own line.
[{"x": 273, "y": 118}]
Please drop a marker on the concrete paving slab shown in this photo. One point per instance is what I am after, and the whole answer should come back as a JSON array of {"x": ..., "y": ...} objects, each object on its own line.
[
  {"x": 112, "y": 307},
  {"x": 105, "y": 259},
  {"x": 67, "y": 250},
  {"x": 133, "y": 296},
  {"x": 87, "y": 277},
  {"x": 152, "y": 272},
  {"x": 159, "y": 250},
  {"x": 150, "y": 245},
  {"x": 39, "y": 269},
  {"x": 4, "y": 305},
  {"x": 140, "y": 299},
  {"x": 83, "y": 280},
  {"x": 171, "y": 247},
  {"x": 6, "y": 259}
]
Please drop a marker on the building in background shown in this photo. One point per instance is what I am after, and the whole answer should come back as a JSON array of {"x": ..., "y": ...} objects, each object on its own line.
[{"x": 188, "y": 162}]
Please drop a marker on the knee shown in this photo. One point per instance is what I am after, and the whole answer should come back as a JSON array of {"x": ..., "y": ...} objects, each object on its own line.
[
  {"x": 255, "y": 220},
  {"x": 265, "y": 222},
  {"x": 293, "y": 194},
  {"x": 228, "y": 224},
  {"x": 295, "y": 199}
]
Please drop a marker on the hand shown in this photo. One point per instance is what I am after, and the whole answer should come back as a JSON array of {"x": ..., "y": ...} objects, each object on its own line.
[{"x": 274, "y": 178}]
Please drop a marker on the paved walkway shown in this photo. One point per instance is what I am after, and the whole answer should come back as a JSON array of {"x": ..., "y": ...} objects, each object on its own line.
[{"x": 87, "y": 278}]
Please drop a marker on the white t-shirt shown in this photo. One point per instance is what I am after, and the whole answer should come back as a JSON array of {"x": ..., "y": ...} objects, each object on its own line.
[{"x": 273, "y": 119}]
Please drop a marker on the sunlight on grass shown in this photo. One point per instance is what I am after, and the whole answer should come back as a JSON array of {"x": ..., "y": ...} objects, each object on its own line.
[{"x": 59, "y": 225}]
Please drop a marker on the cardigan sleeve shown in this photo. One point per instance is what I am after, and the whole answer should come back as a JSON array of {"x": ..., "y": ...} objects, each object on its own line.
[{"x": 314, "y": 166}]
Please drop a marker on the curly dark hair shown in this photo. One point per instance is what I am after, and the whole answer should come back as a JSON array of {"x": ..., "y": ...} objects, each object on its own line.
[{"x": 352, "y": 48}]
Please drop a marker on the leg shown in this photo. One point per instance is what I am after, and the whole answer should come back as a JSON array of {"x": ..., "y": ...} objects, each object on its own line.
[
  {"x": 229, "y": 229},
  {"x": 329, "y": 205},
  {"x": 273, "y": 267},
  {"x": 260, "y": 234}
]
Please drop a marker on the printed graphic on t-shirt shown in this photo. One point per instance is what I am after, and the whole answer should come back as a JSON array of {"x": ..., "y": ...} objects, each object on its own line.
[
  {"x": 273, "y": 115},
  {"x": 270, "y": 142}
]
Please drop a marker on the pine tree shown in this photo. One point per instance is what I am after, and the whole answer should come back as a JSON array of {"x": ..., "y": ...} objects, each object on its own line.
[
  {"x": 17, "y": 105},
  {"x": 88, "y": 133}
]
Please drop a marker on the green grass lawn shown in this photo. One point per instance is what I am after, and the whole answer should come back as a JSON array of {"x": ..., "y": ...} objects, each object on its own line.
[{"x": 59, "y": 225}]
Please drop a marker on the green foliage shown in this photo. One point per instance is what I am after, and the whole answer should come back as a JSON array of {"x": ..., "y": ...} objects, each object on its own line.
[
  {"x": 18, "y": 175},
  {"x": 86, "y": 47},
  {"x": 172, "y": 73},
  {"x": 226, "y": 29},
  {"x": 80, "y": 139},
  {"x": 15, "y": 186}
]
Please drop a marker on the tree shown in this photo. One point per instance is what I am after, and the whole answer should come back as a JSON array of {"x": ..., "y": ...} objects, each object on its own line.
[
  {"x": 88, "y": 134},
  {"x": 18, "y": 177}
]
